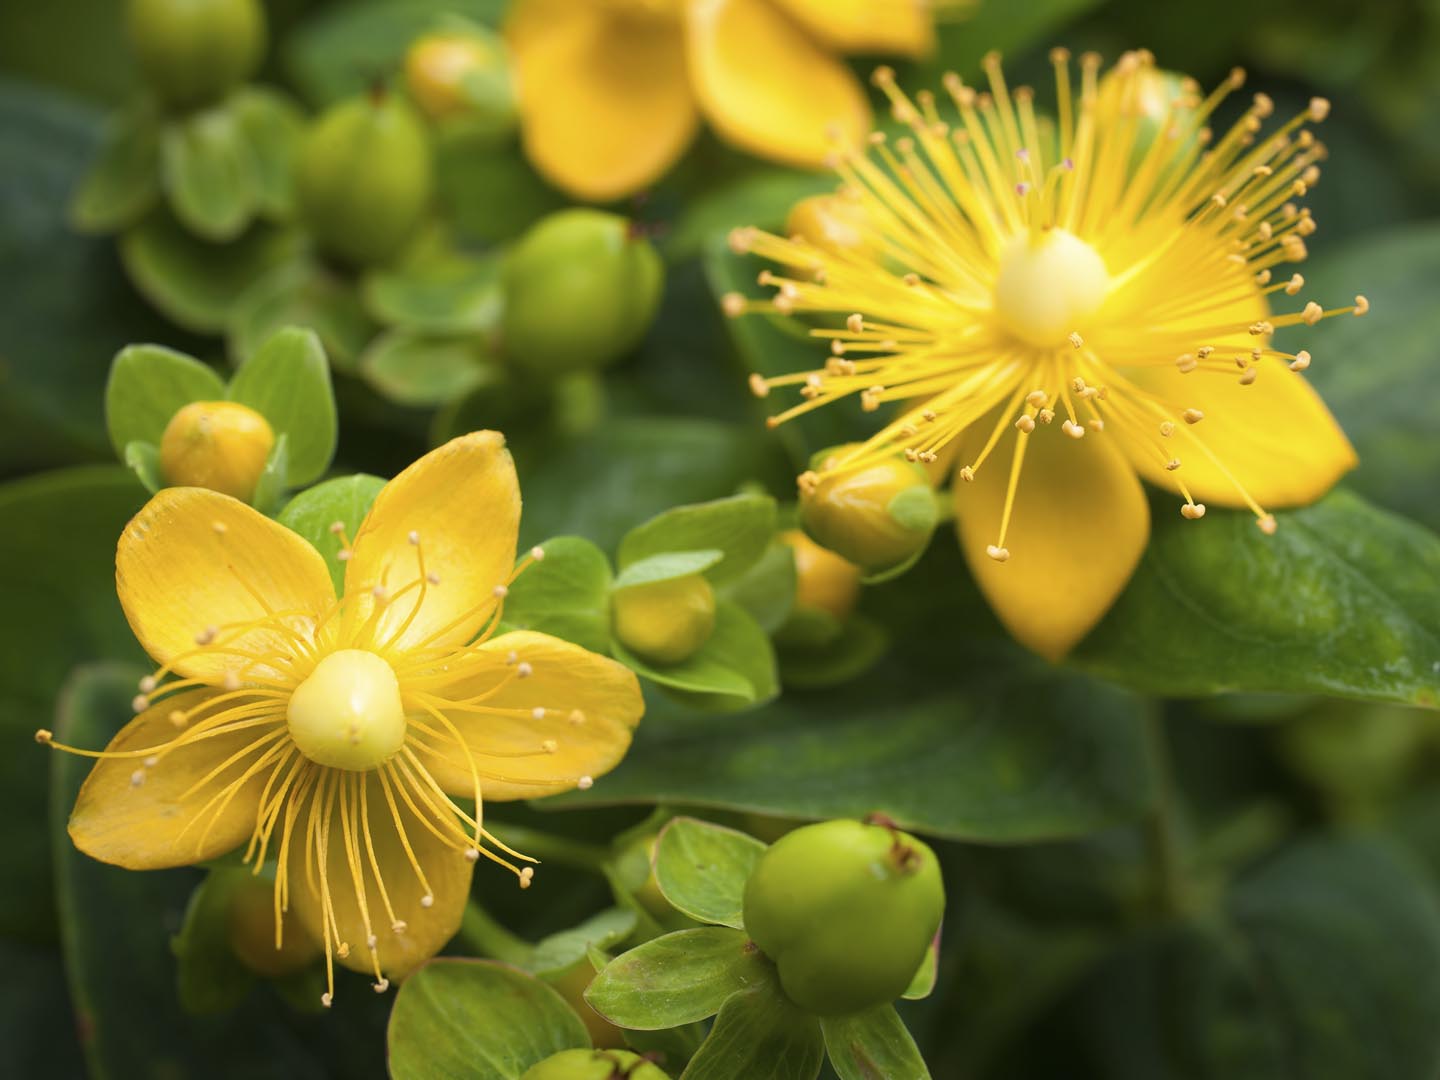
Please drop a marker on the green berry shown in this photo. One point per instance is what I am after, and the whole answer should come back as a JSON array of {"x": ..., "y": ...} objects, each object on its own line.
[
  {"x": 846, "y": 911},
  {"x": 581, "y": 289},
  {"x": 594, "y": 1065},
  {"x": 193, "y": 52},
  {"x": 365, "y": 178},
  {"x": 665, "y": 622}
]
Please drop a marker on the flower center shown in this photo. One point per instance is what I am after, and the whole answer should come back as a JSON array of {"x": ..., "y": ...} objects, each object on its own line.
[
  {"x": 1049, "y": 283},
  {"x": 347, "y": 714}
]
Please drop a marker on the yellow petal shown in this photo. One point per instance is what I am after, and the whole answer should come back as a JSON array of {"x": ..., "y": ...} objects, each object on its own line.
[
  {"x": 458, "y": 510},
  {"x": 605, "y": 105},
  {"x": 861, "y": 26},
  {"x": 141, "y": 818},
  {"x": 446, "y": 876},
  {"x": 588, "y": 706},
  {"x": 193, "y": 559},
  {"x": 1079, "y": 525},
  {"x": 767, "y": 87},
  {"x": 1275, "y": 436}
]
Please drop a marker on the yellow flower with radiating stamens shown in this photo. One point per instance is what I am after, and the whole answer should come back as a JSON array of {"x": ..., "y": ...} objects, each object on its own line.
[
  {"x": 1066, "y": 306},
  {"x": 612, "y": 91},
  {"x": 330, "y": 735}
]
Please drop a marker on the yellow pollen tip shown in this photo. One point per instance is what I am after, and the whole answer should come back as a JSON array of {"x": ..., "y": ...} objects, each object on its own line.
[
  {"x": 1192, "y": 511},
  {"x": 43, "y": 736},
  {"x": 1266, "y": 524},
  {"x": 999, "y": 554}
]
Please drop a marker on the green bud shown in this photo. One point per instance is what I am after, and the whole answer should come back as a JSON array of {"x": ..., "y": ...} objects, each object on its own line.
[
  {"x": 846, "y": 911},
  {"x": 1155, "y": 94},
  {"x": 365, "y": 178},
  {"x": 879, "y": 516},
  {"x": 581, "y": 289},
  {"x": 594, "y": 1065},
  {"x": 193, "y": 52},
  {"x": 665, "y": 622}
]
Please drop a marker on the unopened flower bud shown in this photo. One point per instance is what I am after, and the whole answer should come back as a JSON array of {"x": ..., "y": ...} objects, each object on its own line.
[
  {"x": 665, "y": 622},
  {"x": 192, "y": 52},
  {"x": 219, "y": 445},
  {"x": 823, "y": 580},
  {"x": 878, "y": 516},
  {"x": 462, "y": 73},
  {"x": 250, "y": 929},
  {"x": 834, "y": 223}
]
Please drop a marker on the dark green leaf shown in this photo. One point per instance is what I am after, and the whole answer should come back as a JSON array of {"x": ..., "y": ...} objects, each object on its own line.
[
  {"x": 759, "y": 1035},
  {"x": 962, "y": 42},
  {"x": 477, "y": 1020},
  {"x": 676, "y": 979},
  {"x": 702, "y": 869},
  {"x": 452, "y": 296},
  {"x": 736, "y": 662},
  {"x": 272, "y": 125},
  {"x": 489, "y": 189},
  {"x": 854, "y": 650},
  {"x": 143, "y": 459},
  {"x": 420, "y": 369},
  {"x": 287, "y": 381},
  {"x": 666, "y": 567},
  {"x": 762, "y": 199},
  {"x": 873, "y": 1045},
  {"x": 124, "y": 182},
  {"x": 1344, "y": 599},
  {"x": 345, "y": 499},
  {"x": 300, "y": 294},
  {"x": 566, "y": 594},
  {"x": 209, "y": 174},
  {"x": 148, "y": 385},
  {"x": 211, "y": 977},
  {"x": 741, "y": 527}
]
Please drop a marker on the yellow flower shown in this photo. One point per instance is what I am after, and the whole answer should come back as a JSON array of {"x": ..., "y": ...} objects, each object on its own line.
[
  {"x": 612, "y": 91},
  {"x": 333, "y": 736},
  {"x": 1066, "y": 307}
]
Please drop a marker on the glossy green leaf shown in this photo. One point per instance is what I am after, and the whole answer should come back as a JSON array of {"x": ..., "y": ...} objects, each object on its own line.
[
  {"x": 667, "y": 567},
  {"x": 566, "y": 594},
  {"x": 872, "y": 1044},
  {"x": 194, "y": 283},
  {"x": 209, "y": 174},
  {"x": 561, "y": 951},
  {"x": 741, "y": 527},
  {"x": 454, "y": 295},
  {"x": 211, "y": 977},
  {"x": 477, "y": 1020},
  {"x": 148, "y": 385},
  {"x": 143, "y": 459},
  {"x": 736, "y": 664},
  {"x": 767, "y": 589},
  {"x": 272, "y": 126},
  {"x": 761, "y": 1036},
  {"x": 676, "y": 979},
  {"x": 301, "y": 294},
  {"x": 1035, "y": 756},
  {"x": 421, "y": 369},
  {"x": 923, "y": 983},
  {"x": 702, "y": 869},
  {"x": 124, "y": 182},
  {"x": 1344, "y": 599},
  {"x": 287, "y": 381},
  {"x": 345, "y": 499}
]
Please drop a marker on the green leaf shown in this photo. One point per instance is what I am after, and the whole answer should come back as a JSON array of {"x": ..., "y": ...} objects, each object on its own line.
[
  {"x": 454, "y": 295},
  {"x": 287, "y": 381},
  {"x": 124, "y": 182},
  {"x": 271, "y": 485},
  {"x": 1344, "y": 599},
  {"x": 194, "y": 283},
  {"x": 857, "y": 646},
  {"x": 477, "y": 1020},
  {"x": 566, "y": 594},
  {"x": 760, "y": 198},
  {"x": 676, "y": 979},
  {"x": 562, "y": 951},
  {"x": 422, "y": 370},
  {"x": 209, "y": 174},
  {"x": 1375, "y": 372},
  {"x": 767, "y": 589},
  {"x": 761, "y": 1036},
  {"x": 923, "y": 984},
  {"x": 211, "y": 977},
  {"x": 148, "y": 385},
  {"x": 345, "y": 499},
  {"x": 702, "y": 869},
  {"x": 490, "y": 190},
  {"x": 143, "y": 459},
  {"x": 961, "y": 42},
  {"x": 741, "y": 527},
  {"x": 57, "y": 574},
  {"x": 736, "y": 662},
  {"x": 670, "y": 565},
  {"x": 301, "y": 294},
  {"x": 1037, "y": 755},
  {"x": 272, "y": 126},
  {"x": 872, "y": 1044}
]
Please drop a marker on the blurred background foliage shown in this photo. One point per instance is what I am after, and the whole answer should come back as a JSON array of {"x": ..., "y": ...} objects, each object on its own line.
[{"x": 1301, "y": 935}]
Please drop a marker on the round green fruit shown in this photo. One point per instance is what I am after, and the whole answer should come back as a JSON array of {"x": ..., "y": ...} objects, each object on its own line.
[
  {"x": 846, "y": 911},
  {"x": 365, "y": 178},
  {"x": 193, "y": 52},
  {"x": 665, "y": 622},
  {"x": 581, "y": 289},
  {"x": 594, "y": 1065}
]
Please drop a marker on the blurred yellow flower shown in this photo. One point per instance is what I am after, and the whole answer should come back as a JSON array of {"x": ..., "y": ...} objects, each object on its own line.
[
  {"x": 612, "y": 91},
  {"x": 1084, "y": 301},
  {"x": 333, "y": 735}
]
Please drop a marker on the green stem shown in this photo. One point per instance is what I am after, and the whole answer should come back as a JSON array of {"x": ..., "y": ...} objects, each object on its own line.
[
  {"x": 1163, "y": 834},
  {"x": 547, "y": 847},
  {"x": 481, "y": 934}
]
